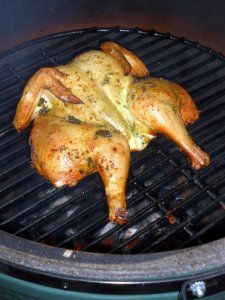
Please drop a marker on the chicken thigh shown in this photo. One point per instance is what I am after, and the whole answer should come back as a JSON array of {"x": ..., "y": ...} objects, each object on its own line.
[
  {"x": 64, "y": 152},
  {"x": 89, "y": 114}
]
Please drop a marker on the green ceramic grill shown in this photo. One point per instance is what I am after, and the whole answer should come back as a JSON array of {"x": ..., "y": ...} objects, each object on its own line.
[{"x": 58, "y": 243}]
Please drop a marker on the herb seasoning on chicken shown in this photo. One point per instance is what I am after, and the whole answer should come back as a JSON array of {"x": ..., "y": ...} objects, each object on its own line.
[{"x": 91, "y": 113}]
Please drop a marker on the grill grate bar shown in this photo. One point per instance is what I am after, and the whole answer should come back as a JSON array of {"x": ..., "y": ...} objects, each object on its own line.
[
  {"x": 22, "y": 61},
  {"x": 176, "y": 64},
  {"x": 169, "y": 233},
  {"x": 171, "y": 156},
  {"x": 84, "y": 230},
  {"x": 189, "y": 231},
  {"x": 23, "y": 212},
  {"x": 68, "y": 221},
  {"x": 15, "y": 74},
  {"x": 8, "y": 116},
  {"x": 72, "y": 37},
  {"x": 9, "y": 100},
  {"x": 138, "y": 39},
  {"x": 207, "y": 87},
  {"x": 59, "y": 37},
  {"x": 47, "y": 57},
  {"x": 56, "y": 191},
  {"x": 13, "y": 200},
  {"x": 6, "y": 140},
  {"x": 202, "y": 231},
  {"x": 179, "y": 226},
  {"x": 187, "y": 203},
  {"x": 7, "y": 107},
  {"x": 34, "y": 55},
  {"x": 211, "y": 149},
  {"x": 85, "y": 211},
  {"x": 162, "y": 50},
  {"x": 10, "y": 88},
  {"x": 65, "y": 41},
  {"x": 147, "y": 45},
  {"x": 213, "y": 97},
  {"x": 12, "y": 152},
  {"x": 144, "y": 211},
  {"x": 131, "y": 221},
  {"x": 83, "y": 45},
  {"x": 203, "y": 76},
  {"x": 214, "y": 128},
  {"x": 19, "y": 179},
  {"x": 15, "y": 166},
  {"x": 170, "y": 56},
  {"x": 194, "y": 68},
  {"x": 50, "y": 213}
]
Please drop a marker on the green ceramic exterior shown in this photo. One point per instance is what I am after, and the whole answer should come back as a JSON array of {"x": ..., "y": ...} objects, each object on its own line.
[{"x": 16, "y": 289}]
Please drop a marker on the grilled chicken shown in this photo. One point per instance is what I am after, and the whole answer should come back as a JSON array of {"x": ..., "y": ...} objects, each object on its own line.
[{"x": 89, "y": 114}]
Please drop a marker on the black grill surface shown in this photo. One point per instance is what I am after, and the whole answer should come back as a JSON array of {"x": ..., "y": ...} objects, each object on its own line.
[{"x": 171, "y": 206}]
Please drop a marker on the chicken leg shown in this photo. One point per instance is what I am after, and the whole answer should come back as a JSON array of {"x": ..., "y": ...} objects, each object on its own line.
[
  {"x": 65, "y": 152},
  {"x": 165, "y": 108}
]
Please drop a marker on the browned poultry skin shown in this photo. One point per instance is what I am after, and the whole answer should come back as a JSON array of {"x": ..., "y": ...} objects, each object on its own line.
[
  {"x": 44, "y": 79},
  {"x": 64, "y": 153},
  {"x": 97, "y": 109},
  {"x": 166, "y": 107},
  {"x": 131, "y": 63}
]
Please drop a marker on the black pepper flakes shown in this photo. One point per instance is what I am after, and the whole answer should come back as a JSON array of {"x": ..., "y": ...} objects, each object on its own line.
[
  {"x": 41, "y": 102},
  {"x": 89, "y": 161},
  {"x": 74, "y": 120},
  {"x": 105, "y": 80},
  {"x": 103, "y": 133},
  {"x": 143, "y": 88},
  {"x": 131, "y": 127},
  {"x": 43, "y": 111}
]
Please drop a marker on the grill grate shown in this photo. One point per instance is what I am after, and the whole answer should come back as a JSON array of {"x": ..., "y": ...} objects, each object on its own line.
[{"x": 171, "y": 206}]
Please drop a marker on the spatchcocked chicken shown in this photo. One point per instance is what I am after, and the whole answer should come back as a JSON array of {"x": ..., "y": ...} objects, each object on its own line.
[{"x": 89, "y": 114}]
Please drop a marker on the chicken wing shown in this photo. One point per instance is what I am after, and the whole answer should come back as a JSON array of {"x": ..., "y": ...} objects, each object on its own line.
[{"x": 44, "y": 79}]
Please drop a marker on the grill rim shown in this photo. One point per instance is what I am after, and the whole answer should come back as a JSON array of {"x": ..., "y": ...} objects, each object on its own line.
[
  {"x": 17, "y": 253},
  {"x": 88, "y": 272},
  {"x": 118, "y": 29}
]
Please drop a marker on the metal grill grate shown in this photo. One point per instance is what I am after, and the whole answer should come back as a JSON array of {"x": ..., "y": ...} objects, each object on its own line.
[{"x": 171, "y": 206}]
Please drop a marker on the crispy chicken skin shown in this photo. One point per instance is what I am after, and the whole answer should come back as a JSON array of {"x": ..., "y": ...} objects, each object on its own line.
[
  {"x": 168, "y": 114},
  {"x": 64, "y": 152},
  {"x": 89, "y": 114}
]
